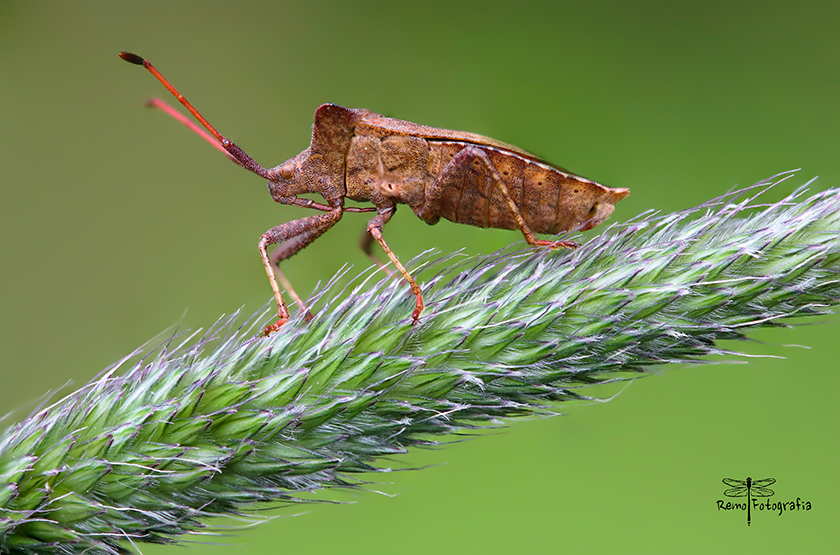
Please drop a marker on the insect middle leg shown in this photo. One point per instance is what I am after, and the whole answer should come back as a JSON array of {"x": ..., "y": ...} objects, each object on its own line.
[
  {"x": 366, "y": 244},
  {"x": 374, "y": 228},
  {"x": 292, "y": 236}
]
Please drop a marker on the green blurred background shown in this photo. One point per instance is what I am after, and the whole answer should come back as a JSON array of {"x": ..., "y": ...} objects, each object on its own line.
[{"x": 117, "y": 223}]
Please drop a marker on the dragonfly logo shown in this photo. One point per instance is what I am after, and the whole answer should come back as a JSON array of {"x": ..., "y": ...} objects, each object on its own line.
[{"x": 752, "y": 489}]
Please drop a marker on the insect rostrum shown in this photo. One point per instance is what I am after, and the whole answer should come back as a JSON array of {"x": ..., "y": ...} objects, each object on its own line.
[{"x": 439, "y": 173}]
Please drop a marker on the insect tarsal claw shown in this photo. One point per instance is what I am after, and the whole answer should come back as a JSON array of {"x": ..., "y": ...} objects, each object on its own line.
[{"x": 268, "y": 330}]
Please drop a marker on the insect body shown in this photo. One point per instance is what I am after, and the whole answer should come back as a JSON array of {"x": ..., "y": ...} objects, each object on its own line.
[{"x": 438, "y": 173}]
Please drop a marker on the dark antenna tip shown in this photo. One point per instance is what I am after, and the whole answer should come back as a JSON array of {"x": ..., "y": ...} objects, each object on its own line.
[{"x": 133, "y": 58}]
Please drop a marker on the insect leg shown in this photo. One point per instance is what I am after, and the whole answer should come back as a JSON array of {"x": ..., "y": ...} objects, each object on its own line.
[
  {"x": 374, "y": 228},
  {"x": 366, "y": 244},
  {"x": 474, "y": 154},
  {"x": 289, "y": 248},
  {"x": 293, "y": 236}
]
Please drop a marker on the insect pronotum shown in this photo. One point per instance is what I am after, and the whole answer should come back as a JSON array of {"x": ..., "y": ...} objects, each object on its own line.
[{"x": 462, "y": 177}]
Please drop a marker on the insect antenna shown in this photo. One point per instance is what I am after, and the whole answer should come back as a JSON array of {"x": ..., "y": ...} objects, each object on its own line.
[
  {"x": 170, "y": 111},
  {"x": 230, "y": 148}
]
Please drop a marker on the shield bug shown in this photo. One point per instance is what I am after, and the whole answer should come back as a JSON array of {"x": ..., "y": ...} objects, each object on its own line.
[{"x": 439, "y": 173}]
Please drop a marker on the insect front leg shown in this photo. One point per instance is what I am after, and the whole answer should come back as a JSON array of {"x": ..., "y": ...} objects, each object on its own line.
[
  {"x": 374, "y": 228},
  {"x": 289, "y": 248},
  {"x": 292, "y": 236}
]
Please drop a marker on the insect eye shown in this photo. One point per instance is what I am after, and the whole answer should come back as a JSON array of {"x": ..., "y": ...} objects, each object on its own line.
[{"x": 287, "y": 171}]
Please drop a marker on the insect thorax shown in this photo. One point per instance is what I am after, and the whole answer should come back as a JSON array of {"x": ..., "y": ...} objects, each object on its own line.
[{"x": 388, "y": 170}]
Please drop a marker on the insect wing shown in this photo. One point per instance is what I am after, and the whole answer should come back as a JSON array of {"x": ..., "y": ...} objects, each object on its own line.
[
  {"x": 734, "y": 483},
  {"x": 381, "y": 126},
  {"x": 763, "y": 483}
]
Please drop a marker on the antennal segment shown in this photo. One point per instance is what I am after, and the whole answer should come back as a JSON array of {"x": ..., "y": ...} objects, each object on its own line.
[{"x": 237, "y": 153}]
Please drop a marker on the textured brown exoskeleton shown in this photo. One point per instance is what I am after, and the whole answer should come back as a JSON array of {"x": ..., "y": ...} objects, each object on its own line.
[{"x": 462, "y": 177}]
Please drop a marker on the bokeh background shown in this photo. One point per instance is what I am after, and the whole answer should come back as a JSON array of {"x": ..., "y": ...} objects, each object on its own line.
[{"x": 117, "y": 223}]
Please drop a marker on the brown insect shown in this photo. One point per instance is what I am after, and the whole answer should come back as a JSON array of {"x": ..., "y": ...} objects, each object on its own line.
[{"x": 462, "y": 177}]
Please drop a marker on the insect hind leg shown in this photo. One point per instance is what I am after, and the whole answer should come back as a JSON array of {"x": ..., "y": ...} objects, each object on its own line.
[
  {"x": 476, "y": 154},
  {"x": 458, "y": 169}
]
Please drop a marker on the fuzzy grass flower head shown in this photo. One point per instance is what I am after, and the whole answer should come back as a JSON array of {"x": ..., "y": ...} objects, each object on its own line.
[{"x": 214, "y": 425}]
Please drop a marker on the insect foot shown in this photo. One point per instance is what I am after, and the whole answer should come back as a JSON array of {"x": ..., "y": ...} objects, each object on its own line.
[
  {"x": 271, "y": 328},
  {"x": 554, "y": 245}
]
